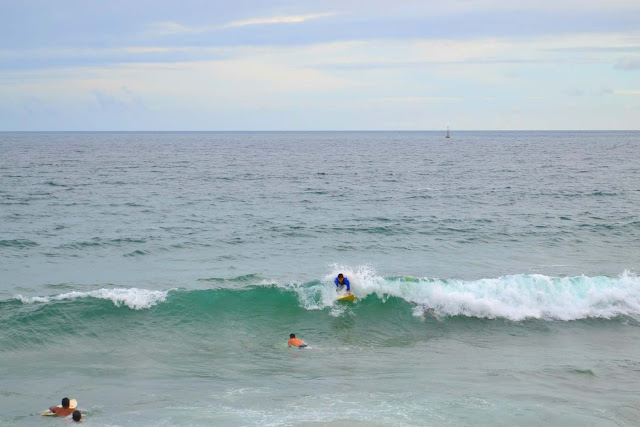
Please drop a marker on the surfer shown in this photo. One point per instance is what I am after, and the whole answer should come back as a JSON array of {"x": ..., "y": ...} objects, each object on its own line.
[
  {"x": 430, "y": 312},
  {"x": 340, "y": 282},
  {"x": 65, "y": 409},
  {"x": 296, "y": 342}
]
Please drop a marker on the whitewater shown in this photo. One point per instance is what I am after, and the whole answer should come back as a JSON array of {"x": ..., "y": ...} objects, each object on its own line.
[
  {"x": 513, "y": 298},
  {"x": 156, "y": 277}
]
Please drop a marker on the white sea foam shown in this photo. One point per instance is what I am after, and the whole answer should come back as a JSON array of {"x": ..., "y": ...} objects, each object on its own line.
[
  {"x": 133, "y": 298},
  {"x": 515, "y": 297}
]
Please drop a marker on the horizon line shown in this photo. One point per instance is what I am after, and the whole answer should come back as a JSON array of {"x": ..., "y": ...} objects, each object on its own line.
[{"x": 318, "y": 130}]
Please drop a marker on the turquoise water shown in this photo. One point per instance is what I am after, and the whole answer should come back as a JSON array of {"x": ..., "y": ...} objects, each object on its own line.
[{"x": 156, "y": 278}]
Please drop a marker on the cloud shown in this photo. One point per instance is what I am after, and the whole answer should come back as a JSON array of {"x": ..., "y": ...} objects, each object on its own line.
[
  {"x": 292, "y": 19},
  {"x": 417, "y": 99},
  {"x": 168, "y": 28},
  {"x": 108, "y": 102},
  {"x": 174, "y": 28},
  {"x": 348, "y": 55},
  {"x": 626, "y": 92},
  {"x": 426, "y": 52},
  {"x": 546, "y": 6},
  {"x": 145, "y": 49},
  {"x": 440, "y": 8},
  {"x": 575, "y": 92},
  {"x": 368, "y": 83},
  {"x": 628, "y": 64},
  {"x": 230, "y": 83}
]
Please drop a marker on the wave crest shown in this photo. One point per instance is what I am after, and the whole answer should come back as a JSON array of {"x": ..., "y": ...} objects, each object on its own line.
[
  {"x": 134, "y": 298},
  {"x": 516, "y": 297}
]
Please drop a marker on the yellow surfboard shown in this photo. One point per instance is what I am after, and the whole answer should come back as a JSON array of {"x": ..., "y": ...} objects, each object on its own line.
[{"x": 348, "y": 298}]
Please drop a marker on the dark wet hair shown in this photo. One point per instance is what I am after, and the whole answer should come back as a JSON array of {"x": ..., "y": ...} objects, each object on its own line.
[
  {"x": 77, "y": 415},
  {"x": 65, "y": 402},
  {"x": 292, "y": 336},
  {"x": 340, "y": 275}
]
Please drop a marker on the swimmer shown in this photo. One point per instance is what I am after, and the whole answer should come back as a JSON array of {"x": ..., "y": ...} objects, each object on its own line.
[
  {"x": 430, "y": 312},
  {"x": 77, "y": 416},
  {"x": 296, "y": 342},
  {"x": 66, "y": 409}
]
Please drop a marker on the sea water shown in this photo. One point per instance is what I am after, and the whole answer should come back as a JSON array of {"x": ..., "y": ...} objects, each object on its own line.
[{"x": 156, "y": 277}]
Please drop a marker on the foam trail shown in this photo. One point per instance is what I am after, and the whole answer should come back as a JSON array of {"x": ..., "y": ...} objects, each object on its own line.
[
  {"x": 134, "y": 298},
  {"x": 515, "y": 297},
  {"x": 537, "y": 296}
]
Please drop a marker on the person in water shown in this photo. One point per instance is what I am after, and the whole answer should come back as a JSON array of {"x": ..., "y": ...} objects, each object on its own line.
[
  {"x": 66, "y": 409},
  {"x": 296, "y": 342},
  {"x": 430, "y": 312},
  {"x": 341, "y": 282},
  {"x": 77, "y": 416}
]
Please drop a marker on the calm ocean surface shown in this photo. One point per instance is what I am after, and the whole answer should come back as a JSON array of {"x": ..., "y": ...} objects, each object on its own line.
[{"x": 156, "y": 277}]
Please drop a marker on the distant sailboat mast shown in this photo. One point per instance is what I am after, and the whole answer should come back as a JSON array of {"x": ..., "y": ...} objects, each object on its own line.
[{"x": 448, "y": 135}]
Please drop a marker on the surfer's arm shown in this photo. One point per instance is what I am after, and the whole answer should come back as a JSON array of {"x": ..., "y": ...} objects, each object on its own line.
[{"x": 346, "y": 282}]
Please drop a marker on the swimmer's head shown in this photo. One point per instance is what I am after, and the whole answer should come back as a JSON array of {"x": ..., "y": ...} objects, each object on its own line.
[
  {"x": 292, "y": 335},
  {"x": 77, "y": 416},
  {"x": 65, "y": 402}
]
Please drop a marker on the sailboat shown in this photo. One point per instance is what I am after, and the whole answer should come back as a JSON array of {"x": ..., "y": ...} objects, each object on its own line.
[{"x": 448, "y": 135}]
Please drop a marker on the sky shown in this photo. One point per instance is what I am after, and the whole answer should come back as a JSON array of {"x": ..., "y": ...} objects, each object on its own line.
[{"x": 94, "y": 65}]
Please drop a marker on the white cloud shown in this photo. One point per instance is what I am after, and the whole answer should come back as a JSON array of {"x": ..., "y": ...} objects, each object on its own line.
[
  {"x": 626, "y": 92},
  {"x": 363, "y": 55},
  {"x": 170, "y": 28},
  {"x": 575, "y": 92},
  {"x": 532, "y": 5},
  {"x": 558, "y": 5},
  {"x": 292, "y": 19},
  {"x": 579, "y": 48},
  {"x": 167, "y": 28},
  {"x": 628, "y": 63},
  {"x": 431, "y": 8},
  {"x": 417, "y": 99},
  {"x": 273, "y": 69},
  {"x": 205, "y": 84},
  {"x": 145, "y": 49},
  {"x": 444, "y": 78}
]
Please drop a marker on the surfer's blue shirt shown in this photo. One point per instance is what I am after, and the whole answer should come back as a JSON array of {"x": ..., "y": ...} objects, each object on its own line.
[{"x": 346, "y": 282}]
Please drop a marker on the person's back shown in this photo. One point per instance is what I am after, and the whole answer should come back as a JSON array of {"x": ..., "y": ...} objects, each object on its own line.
[
  {"x": 295, "y": 342},
  {"x": 66, "y": 409}
]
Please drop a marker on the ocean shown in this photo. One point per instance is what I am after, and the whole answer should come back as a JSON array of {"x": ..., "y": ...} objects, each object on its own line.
[{"x": 156, "y": 277}]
